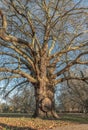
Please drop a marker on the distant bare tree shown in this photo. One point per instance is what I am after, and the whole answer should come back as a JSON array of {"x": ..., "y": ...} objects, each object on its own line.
[
  {"x": 74, "y": 95},
  {"x": 23, "y": 101}
]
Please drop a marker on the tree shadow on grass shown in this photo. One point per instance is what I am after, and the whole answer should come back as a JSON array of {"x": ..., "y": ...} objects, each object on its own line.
[
  {"x": 10, "y": 127},
  {"x": 81, "y": 119},
  {"x": 76, "y": 120},
  {"x": 71, "y": 118}
]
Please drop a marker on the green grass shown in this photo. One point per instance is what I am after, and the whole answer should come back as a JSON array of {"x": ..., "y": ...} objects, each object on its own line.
[
  {"x": 76, "y": 118},
  {"x": 15, "y": 115}
]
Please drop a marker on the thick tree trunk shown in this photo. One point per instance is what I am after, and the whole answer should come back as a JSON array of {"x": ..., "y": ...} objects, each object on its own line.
[
  {"x": 44, "y": 103},
  {"x": 44, "y": 94}
]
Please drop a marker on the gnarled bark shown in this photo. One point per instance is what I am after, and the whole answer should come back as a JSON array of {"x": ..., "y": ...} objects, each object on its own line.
[{"x": 44, "y": 102}]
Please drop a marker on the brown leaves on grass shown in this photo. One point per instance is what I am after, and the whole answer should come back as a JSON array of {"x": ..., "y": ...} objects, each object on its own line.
[{"x": 29, "y": 123}]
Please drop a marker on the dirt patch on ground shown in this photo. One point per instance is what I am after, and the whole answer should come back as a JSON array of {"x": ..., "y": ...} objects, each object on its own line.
[{"x": 73, "y": 127}]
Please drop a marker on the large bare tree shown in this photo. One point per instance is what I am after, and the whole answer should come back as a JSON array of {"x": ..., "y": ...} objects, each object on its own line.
[{"x": 40, "y": 41}]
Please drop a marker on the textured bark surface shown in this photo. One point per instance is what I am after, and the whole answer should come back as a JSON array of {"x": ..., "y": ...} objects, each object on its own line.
[
  {"x": 44, "y": 102},
  {"x": 44, "y": 92}
]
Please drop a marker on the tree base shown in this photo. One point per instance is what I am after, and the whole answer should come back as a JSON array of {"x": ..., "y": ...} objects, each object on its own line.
[{"x": 46, "y": 115}]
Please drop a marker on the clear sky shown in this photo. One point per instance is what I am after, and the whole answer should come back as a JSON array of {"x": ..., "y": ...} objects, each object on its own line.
[{"x": 84, "y": 2}]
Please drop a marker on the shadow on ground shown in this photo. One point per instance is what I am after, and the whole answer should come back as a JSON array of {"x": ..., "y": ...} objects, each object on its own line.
[
  {"x": 75, "y": 119},
  {"x": 9, "y": 127}
]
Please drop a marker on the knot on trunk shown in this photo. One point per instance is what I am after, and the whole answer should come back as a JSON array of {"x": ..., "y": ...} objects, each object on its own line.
[
  {"x": 46, "y": 104},
  {"x": 50, "y": 94}
]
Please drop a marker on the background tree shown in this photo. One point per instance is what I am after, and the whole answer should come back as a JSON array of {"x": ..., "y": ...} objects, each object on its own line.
[
  {"x": 4, "y": 108},
  {"x": 39, "y": 42},
  {"x": 74, "y": 96},
  {"x": 22, "y": 102}
]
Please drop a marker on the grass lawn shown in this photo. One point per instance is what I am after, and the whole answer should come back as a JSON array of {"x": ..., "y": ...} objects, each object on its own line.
[
  {"x": 76, "y": 118},
  {"x": 26, "y": 123}
]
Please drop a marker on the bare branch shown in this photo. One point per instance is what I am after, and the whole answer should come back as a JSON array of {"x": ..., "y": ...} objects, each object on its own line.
[
  {"x": 71, "y": 64},
  {"x": 19, "y": 72},
  {"x": 15, "y": 88},
  {"x": 71, "y": 78}
]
